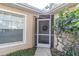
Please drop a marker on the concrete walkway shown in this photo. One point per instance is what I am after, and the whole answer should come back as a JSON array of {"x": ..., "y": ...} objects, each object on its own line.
[{"x": 43, "y": 52}]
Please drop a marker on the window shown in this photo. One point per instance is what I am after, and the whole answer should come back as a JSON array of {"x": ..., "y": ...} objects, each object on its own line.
[{"x": 11, "y": 27}]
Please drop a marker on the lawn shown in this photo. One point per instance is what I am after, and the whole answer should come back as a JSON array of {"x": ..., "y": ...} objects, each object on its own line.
[{"x": 25, "y": 52}]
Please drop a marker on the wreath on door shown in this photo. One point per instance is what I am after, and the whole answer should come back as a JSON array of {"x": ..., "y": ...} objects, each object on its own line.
[{"x": 45, "y": 28}]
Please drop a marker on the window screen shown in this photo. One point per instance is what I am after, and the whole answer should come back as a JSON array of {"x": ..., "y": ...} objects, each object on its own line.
[{"x": 11, "y": 27}]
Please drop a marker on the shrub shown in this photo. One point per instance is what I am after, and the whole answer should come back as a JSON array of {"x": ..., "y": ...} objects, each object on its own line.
[
  {"x": 71, "y": 52},
  {"x": 68, "y": 22},
  {"x": 56, "y": 52}
]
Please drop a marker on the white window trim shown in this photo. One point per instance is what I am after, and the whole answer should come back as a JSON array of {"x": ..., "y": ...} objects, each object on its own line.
[{"x": 4, "y": 45}]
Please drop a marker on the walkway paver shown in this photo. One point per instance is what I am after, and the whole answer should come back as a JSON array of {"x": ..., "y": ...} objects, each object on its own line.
[{"x": 43, "y": 52}]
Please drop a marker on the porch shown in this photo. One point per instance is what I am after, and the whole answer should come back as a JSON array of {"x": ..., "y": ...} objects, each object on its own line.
[{"x": 23, "y": 27}]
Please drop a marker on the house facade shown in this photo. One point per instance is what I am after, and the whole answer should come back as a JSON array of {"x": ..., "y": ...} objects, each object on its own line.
[{"x": 23, "y": 26}]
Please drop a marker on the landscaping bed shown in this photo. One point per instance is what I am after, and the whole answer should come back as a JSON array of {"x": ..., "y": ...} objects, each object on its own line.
[
  {"x": 56, "y": 52},
  {"x": 69, "y": 52},
  {"x": 25, "y": 52}
]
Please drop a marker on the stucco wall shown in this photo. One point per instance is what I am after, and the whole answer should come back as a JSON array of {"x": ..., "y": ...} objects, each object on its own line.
[
  {"x": 55, "y": 38},
  {"x": 29, "y": 31}
]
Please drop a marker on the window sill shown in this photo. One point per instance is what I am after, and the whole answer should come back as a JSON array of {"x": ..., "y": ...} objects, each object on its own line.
[{"x": 5, "y": 45}]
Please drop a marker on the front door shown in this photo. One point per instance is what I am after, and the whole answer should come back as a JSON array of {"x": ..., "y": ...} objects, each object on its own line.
[{"x": 43, "y": 33}]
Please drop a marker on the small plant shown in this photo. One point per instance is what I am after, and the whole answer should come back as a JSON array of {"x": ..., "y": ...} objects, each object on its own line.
[{"x": 56, "y": 52}]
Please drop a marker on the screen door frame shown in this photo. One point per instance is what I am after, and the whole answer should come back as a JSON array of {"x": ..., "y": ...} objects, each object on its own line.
[{"x": 49, "y": 34}]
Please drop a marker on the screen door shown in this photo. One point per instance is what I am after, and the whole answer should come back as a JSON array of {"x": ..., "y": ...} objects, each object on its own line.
[{"x": 43, "y": 33}]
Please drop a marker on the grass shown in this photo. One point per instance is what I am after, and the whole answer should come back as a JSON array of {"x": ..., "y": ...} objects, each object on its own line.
[{"x": 25, "y": 52}]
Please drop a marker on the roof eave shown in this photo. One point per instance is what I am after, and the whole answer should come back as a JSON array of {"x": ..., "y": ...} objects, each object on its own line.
[
  {"x": 60, "y": 7},
  {"x": 23, "y": 7},
  {"x": 38, "y": 11}
]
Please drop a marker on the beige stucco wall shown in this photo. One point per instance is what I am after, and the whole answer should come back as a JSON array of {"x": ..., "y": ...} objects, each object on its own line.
[
  {"x": 55, "y": 38},
  {"x": 29, "y": 31}
]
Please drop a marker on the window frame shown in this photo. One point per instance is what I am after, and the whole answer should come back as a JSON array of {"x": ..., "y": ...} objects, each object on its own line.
[{"x": 3, "y": 45}]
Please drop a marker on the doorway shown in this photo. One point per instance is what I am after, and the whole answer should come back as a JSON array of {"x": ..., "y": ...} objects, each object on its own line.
[{"x": 43, "y": 33}]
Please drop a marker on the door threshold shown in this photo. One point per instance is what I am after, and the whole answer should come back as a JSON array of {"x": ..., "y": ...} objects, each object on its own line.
[{"x": 43, "y": 45}]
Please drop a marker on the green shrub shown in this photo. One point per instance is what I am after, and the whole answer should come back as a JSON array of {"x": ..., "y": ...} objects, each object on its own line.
[
  {"x": 71, "y": 52},
  {"x": 68, "y": 22}
]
